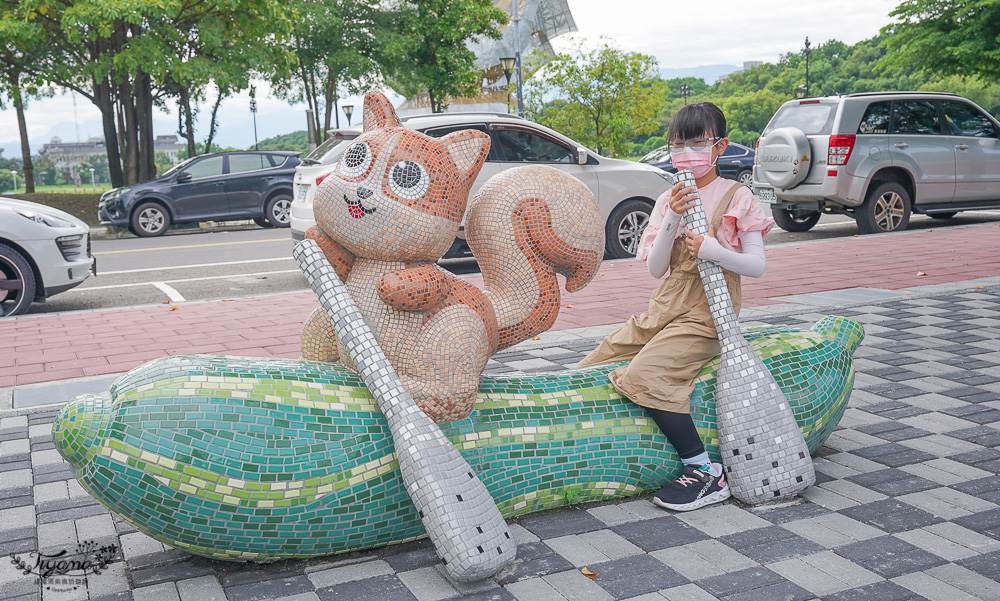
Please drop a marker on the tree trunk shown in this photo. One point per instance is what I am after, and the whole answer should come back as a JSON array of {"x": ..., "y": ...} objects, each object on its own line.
[
  {"x": 22, "y": 128},
  {"x": 104, "y": 102},
  {"x": 213, "y": 123},
  {"x": 127, "y": 100},
  {"x": 188, "y": 131},
  {"x": 331, "y": 103},
  {"x": 144, "y": 118}
]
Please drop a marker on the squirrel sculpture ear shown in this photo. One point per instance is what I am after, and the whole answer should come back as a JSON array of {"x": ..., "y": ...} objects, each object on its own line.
[
  {"x": 468, "y": 148},
  {"x": 378, "y": 112}
]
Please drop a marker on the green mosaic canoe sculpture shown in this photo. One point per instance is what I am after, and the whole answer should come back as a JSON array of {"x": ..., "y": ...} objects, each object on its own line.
[{"x": 259, "y": 459}]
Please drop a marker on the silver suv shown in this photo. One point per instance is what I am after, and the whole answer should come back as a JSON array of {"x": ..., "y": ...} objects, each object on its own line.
[
  {"x": 625, "y": 191},
  {"x": 877, "y": 157}
]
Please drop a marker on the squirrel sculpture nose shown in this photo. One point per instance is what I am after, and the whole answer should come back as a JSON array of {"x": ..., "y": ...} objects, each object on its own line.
[{"x": 364, "y": 193}]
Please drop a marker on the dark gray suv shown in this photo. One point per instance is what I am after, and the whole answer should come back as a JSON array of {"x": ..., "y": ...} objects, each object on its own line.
[
  {"x": 878, "y": 157},
  {"x": 218, "y": 187}
]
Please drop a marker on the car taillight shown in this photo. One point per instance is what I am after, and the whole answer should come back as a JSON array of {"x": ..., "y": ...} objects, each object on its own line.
[
  {"x": 840, "y": 149},
  {"x": 319, "y": 180}
]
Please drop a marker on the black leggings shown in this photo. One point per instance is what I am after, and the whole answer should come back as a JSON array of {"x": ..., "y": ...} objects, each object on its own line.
[{"x": 679, "y": 430}]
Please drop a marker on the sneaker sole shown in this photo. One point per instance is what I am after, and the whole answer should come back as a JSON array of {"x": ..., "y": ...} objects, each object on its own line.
[{"x": 716, "y": 497}]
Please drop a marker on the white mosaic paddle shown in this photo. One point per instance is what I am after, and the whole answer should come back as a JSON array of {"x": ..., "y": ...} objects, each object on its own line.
[
  {"x": 459, "y": 514},
  {"x": 762, "y": 448}
]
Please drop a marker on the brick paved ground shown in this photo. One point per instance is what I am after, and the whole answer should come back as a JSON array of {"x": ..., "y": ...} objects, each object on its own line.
[
  {"x": 907, "y": 504},
  {"x": 72, "y": 345}
]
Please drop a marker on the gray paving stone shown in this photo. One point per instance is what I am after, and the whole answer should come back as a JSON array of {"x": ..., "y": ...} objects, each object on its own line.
[
  {"x": 703, "y": 559},
  {"x": 360, "y": 571},
  {"x": 893, "y": 482},
  {"x": 15, "y": 479},
  {"x": 828, "y": 499},
  {"x": 427, "y": 584},
  {"x": 205, "y": 588},
  {"x": 19, "y": 422},
  {"x": 380, "y": 588},
  {"x": 534, "y": 559},
  {"x": 833, "y": 469},
  {"x": 577, "y": 552},
  {"x": 574, "y": 586},
  {"x": 809, "y": 576},
  {"x": 269, "y": 589},
  {"x": 931, "y": 588},
  {"x": 858, "y": 464},
  {"x": 687, "y": 592},
  {"x": 932, "y": 401},
  {"x": 573, "y": 521},
  {"x": 18, "y": 446},
  {"x": 534, "y": 589},
  {"x": 852, "y": 491},
  {"x": 310, "y": 596},
  {"x": 945, "y": 471},
  {"x": 958, "y": 534},
  {"x": 659, "y": 533},
  {"x": 832, "y": 530},
  {"x": 16, "y": 517},
  {"x": 889, "y": 556},
  {"x": 612, "y": 515},
  {"x": 940, "y": 445},
  {"x": 50, "y": 457},
  {"x": 751, "y": 579},
  {"x": 642, "y": 509},
  {"x": 166, "y": 591},
  {"x": 935, "y": 544},
  {"x": 965, "y": 579},
  {"x": 610, "y": 543},
  {"x": 51, "y": 491},
  {"x": 137, "y": 543},
  {"x": 891, "y": 515},
  {"x": 95, "y": 527},
  {"x": 770, "y": 544},
  {"x": 522, "y": 535},
  {"x": 637, "y": 575},
  {"x": 722, "y": 519},
  {"x": 947, "y": 502},
  {"x": 57, "y": 535}
]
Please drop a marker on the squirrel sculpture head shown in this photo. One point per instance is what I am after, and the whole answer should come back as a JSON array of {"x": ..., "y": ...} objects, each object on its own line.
[{"x": 397, "y": 194}]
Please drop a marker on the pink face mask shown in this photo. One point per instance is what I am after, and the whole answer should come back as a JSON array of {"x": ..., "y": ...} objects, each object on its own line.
[{"x": 698, "y": 161}]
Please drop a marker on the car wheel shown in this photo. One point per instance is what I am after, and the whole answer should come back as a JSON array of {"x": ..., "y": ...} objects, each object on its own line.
[
  {"x": 625, "y": 227},
  {"x": 278, "y": 211},
  {"x": 745, "y": 177},
  {"x": 793, "y": 220},
  {"x": 887, "y": 209},
  {"x": 150, "y": 219},
  {"x": 17, "y": 282},
  {"x": 947, "y": 215},
  {"x": 262, "y": 222}
]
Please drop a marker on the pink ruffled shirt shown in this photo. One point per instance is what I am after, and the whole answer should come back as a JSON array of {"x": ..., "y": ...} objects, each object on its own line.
[{"x": 743, "y": 215}]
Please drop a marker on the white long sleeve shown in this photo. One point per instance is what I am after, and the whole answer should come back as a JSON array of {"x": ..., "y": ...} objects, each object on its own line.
[
  {"x": 751, "y": 262},
  {"x": 658, "y": 261}
]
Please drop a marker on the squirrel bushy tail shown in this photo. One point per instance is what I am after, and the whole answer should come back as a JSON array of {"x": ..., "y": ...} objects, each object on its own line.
[{"x": 524, "y": 226}]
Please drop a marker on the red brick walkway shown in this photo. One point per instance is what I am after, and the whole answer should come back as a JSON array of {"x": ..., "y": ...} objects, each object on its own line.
[{"x": 54, "y": 347}]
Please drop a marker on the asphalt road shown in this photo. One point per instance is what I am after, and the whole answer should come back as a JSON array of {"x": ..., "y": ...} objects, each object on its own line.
[{"x": 189, "y": 265}]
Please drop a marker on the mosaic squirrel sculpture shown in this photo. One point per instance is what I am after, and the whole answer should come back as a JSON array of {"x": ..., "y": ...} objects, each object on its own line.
[{"x": 393, "y": 206}]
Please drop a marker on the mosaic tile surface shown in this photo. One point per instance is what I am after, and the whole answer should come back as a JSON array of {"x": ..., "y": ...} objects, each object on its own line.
[
  {"x": 763, "y": 450},
  {"x": 393, "y": 207},
  {"x": 456, "y": 510},
  {"x": 254, "y": 459}
]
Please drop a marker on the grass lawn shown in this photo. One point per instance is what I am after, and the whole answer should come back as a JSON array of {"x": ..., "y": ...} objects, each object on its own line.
[{"x": 81, "y": 204}]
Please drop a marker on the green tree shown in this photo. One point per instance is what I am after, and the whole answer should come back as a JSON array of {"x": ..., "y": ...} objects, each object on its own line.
[
  {"x": 339, "y": 48},
  {"x": 604, "y": 97},
  {"x": 946, "y": 37},
  {"x": 429, "y": 53},
  {"x": 125, "y": 55},
  {"x": 747, "y": 115},
  {"x": 986, "y": 95}
]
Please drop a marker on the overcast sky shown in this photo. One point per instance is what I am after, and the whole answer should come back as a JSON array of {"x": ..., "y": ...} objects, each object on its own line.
[{"x": 679, "y": 34}]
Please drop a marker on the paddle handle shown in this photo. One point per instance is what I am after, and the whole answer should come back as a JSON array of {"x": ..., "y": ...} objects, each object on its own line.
[{"x": 459, "y": 514}]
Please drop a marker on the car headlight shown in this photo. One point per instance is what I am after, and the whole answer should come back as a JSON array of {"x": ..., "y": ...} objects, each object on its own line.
[
  {"x": 44, "y": 219},
  {"x": 111, "y": 194}
]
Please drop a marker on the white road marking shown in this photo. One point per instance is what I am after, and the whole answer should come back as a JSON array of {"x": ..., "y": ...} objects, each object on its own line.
[
  {"x": 214, "y": 277},
  {"x": 171, "y": 293},
  {"x": 198, "y": 265}
]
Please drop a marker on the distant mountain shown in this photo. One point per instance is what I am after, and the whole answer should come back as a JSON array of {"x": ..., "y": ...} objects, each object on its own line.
[{"x": 710, "y": 73}]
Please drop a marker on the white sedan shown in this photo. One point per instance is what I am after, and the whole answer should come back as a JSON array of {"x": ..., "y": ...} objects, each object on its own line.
[
  {"x": 625, "y": 191},
  {"x": 43, "y": 251}
]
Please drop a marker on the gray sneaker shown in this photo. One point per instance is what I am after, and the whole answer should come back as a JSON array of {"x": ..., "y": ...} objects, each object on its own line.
[{"x": 696, "y": 487}]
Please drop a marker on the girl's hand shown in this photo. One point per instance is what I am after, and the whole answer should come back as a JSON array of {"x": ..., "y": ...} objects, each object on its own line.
[
  {"x": 694, "y": 240},
  {"x": 681, "y": 198}
]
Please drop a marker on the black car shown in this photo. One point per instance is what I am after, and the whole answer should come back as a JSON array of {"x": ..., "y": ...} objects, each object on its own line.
[
  {"x": 735, "y": 163},
  {"x": 212, "y": 187}
]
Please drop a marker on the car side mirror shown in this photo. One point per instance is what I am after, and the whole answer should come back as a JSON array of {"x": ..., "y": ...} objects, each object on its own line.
[
  {"x": 183, "y": 177},
  {"x": 581, "y": 155}
]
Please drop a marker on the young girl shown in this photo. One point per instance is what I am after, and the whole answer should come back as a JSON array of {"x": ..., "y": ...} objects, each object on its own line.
[{"x": 670, "y": 343}]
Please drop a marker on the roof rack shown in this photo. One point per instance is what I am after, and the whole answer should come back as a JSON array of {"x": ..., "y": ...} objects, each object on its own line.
[
  {"x": 458, "y": 114},
  {"x": 901, "y": 92}
]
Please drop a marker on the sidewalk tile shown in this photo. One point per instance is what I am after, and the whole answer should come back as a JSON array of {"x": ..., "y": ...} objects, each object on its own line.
[
  {"x": 965, "y": 537},
  {"x": 269, "y": 589},
  {"x": 534, "y": 589},
  {"x": 972, "y": 583},
  {"x": 703, "y": 559},
  {"x": 935, "y": 544},
  {"x": 166, "y": 591},
  {"x": 832, "y": 530},
  {"x": 427, "y": 584},
  {"x": 574, "y": 586},
  {"x": 633, "y": 576},
  {"x": 888, "y": 556},
  {"x": 576, "y": 551},
  {"x": 722, "y": 519},
  {"x": 945, "y": 471},
  {"x": 931, "y": 588},
  {"x": 687, "y": 592},
  {"x": 359, "y": 571},
  {"x": 659, "y": 533},
  {"x": 380, "y": 588},
  {"x": 137, "y": 543},
  {"x": 947, "y": 502}
]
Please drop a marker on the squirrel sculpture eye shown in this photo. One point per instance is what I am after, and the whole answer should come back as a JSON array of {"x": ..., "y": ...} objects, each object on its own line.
[
  {"x": 409, "y": 180},
  {"x": 356, "y": 160}
]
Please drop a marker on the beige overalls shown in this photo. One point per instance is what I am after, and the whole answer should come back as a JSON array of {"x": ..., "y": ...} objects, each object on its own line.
[{"x": 669, "y": 343}]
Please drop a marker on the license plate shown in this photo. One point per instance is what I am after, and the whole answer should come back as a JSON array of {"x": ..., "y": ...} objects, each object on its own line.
[
  {"x": 767, "y": 195},
  {"x": 303, "y": 190}
]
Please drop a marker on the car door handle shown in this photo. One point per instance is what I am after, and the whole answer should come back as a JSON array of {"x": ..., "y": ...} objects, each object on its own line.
[
  {"x": 268, "y": 178},
  {"x": 962, "y": 146},
  {"x": 901, "y": 145}
]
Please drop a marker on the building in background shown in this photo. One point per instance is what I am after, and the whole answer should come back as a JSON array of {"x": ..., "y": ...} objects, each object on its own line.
[{"x": 69, "y": 158}]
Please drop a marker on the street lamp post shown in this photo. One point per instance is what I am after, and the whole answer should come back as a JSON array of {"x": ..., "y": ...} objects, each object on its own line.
[
  {"x": 348, "y": 111},
  {"x": 808, "y": 51},
  {"x": 517, "y": 57},
  {"x": 14, "y": 173},
  {"x": 508, "y": 65},
  {"x": 253, "y": 110},
  {"x": 93, "y": 182},
  {"x": 800, "y": 92},
  {"x": 685, "y": 91}
]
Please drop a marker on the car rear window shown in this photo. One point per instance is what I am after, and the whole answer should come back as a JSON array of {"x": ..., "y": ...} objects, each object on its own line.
[
  {"x": 876, "y": 119},
  {"x": 330, "y": 150},
  {"x": 812, "y": 118}
]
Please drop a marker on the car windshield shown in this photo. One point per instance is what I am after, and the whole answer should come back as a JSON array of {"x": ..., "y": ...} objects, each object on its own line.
[
  {"x": 328, "y": 152},
  {"x": 813, "y": 118},
  {"x": 657, "y": 155},
  {"x": 177, "y": 167}
]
